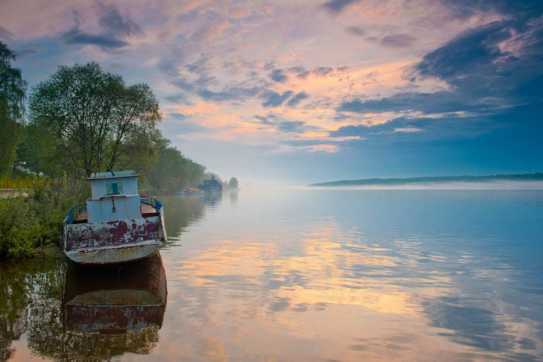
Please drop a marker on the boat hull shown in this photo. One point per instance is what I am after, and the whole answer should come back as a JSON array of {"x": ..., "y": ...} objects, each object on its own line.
[
  {"x": 115, "y": 254},
  {"x": 113, "y": 242}
]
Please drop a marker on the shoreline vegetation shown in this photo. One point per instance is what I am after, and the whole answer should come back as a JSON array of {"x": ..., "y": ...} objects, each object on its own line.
[
  {"x": 528, "y": 177},
  {"x": 81, "y": 120}
]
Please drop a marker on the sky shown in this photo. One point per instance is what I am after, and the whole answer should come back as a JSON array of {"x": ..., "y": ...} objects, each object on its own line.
[{"x": 314, "y": 90}]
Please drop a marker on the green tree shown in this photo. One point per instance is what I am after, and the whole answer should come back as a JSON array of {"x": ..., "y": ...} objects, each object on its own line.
[
  {"x": 92, "y": 114},
  {"x": 172, "y": 171},
  {"x": 12, "y": 94}
]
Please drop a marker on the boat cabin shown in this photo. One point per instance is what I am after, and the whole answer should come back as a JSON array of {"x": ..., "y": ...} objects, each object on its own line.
[{"x": 114, "y": 196}]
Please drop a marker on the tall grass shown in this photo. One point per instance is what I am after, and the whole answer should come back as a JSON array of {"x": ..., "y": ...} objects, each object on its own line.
[{"x": 22, "y": 182}]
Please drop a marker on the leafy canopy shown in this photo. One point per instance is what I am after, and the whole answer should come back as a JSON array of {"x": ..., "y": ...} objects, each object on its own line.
[{"x": 92, "y": 114}]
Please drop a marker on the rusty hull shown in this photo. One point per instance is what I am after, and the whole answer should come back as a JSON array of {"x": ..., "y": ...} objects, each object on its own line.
[{"x": 113, "y": 242}]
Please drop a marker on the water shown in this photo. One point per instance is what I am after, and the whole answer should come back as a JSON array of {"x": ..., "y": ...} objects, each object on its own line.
[{"x": 301, "y": 275}]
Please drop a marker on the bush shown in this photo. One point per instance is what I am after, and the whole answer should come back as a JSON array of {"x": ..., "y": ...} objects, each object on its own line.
[
  {"x": 29, "y": 223},
  {"x": 17, "y": 231}
]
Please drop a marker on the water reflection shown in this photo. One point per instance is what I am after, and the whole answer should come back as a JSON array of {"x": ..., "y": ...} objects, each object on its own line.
[
  {"x": 113, "y": 310},
  {"x": 67, "y": 312},
  {"x": 23, "y": 286},
  {"x": 182, "y": 211},
  {"x": 303, "y": 277},
  {"x": 129, "y": 298},
  {"x": 303, "y": 285},
  {"x": 212, "y": 199}
]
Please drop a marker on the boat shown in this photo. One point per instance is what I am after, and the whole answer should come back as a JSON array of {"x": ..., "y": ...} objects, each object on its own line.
[
  {"x": 116, "y": 224},
  {"x": 211, "y": 185}
]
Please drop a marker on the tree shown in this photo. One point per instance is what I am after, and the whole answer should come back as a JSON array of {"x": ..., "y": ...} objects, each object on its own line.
[
  {"x": 172, "y": 171},
  {"x": 12, "y": 85},
  {"x": 12, "y": 93},
  {"x": 233, "y": 183},
  {"x": 92, "y": 113}
]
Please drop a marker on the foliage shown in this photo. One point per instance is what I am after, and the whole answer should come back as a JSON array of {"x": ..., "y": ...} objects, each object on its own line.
[
  {"x": 38, "y": 151},
  {"x": 27, "y": 223},
  {"x": 140, "y": 152},
  {"x": 12, "y": 85},
  {"x": 91, "y": 113},
  {"x": 173, "y": 171},
  {"x": 8, "y": 139},
  {"x": 22, "y": 182},
  {"x": 12, "y": 91}
]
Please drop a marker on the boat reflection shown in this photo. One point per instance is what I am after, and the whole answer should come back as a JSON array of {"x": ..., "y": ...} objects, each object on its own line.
[
  {"x": 212, "y": 199},
  {"x": 123, "y": 304}
]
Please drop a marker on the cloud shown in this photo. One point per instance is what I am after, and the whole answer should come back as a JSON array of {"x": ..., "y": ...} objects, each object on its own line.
[
  {"x": 337, "y": 6},
  {"x": 355, "y": 30},
  {"x": 277, "y": 75},
  {"x": 114, "y": 23},
  {"x": 114, "y": 29},
  {"x": 212, "y": 30},
  {"x": 490, "y": 69},
  {"x": 496, "y": 61},
  {"x": 438, "y": 102},
  {"x": 291, "y": 126},
  {"x": 284, "y": 125},
  {"x": 519, "y": 9},
  {"x": 76, "y": 36},
  {"x": 398, "y": 40},
  {"x": 407, "y": 130},
  {"x": 178, "y": 116},
  {"x": 5, "y": 34},
  {"x": 274, "y": 99},
  {"x": 197, "y": 79},
  {"x": 297, "y": 98},
  {"x": 232, "y": 93}
]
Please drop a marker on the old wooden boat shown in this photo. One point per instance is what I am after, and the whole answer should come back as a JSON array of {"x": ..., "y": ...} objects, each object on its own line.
[{"x": 116, "y": 224}]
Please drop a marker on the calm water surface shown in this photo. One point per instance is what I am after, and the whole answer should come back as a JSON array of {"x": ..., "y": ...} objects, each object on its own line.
[{"x": 301, "y": 275}]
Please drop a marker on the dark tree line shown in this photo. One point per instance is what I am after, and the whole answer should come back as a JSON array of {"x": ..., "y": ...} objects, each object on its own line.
[{"x": 12, "y": 95}]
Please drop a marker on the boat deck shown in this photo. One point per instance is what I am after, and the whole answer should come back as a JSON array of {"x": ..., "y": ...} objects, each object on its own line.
[{"x": 145, "y": 209}]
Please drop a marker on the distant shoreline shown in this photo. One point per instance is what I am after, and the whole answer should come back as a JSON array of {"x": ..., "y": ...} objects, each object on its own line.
[{"x": 538, "y": 176}]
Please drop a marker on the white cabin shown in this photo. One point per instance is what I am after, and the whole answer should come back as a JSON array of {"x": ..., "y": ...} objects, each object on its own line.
[{"x": 114, "y": 197}]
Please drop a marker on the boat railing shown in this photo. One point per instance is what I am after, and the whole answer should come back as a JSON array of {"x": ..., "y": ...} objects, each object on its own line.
[{"x": 152, "y": 202}]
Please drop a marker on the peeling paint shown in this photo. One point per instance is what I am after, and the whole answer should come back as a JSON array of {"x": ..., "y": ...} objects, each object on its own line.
[{"x": 113, "y": 233}]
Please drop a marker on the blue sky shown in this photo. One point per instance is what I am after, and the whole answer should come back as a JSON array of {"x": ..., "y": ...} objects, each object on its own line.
[{"x": 309, "y": 91}]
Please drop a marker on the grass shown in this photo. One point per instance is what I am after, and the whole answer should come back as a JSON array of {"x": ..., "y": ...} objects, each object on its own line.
[{"x": 22, "y": 182}]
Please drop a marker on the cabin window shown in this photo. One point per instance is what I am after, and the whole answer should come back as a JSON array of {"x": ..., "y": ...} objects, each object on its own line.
[{"x": 114, "y": 188}]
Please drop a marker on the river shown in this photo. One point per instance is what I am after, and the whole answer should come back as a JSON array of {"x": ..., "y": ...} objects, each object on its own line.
[{"x": 300, "y": 275}]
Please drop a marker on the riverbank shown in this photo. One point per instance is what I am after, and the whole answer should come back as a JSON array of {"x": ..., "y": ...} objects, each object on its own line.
[{"x": 31, "y": 220}]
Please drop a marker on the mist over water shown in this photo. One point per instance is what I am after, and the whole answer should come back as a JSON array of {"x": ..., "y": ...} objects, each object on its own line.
[
  {"x": 317, "y": 274},
  {"x": 488, "y": 185}
]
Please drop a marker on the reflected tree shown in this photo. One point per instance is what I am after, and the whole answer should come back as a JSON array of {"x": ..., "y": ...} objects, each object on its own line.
[
  {"x": 181, "y": 212},
  {"x": 21, "y": 284}
]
